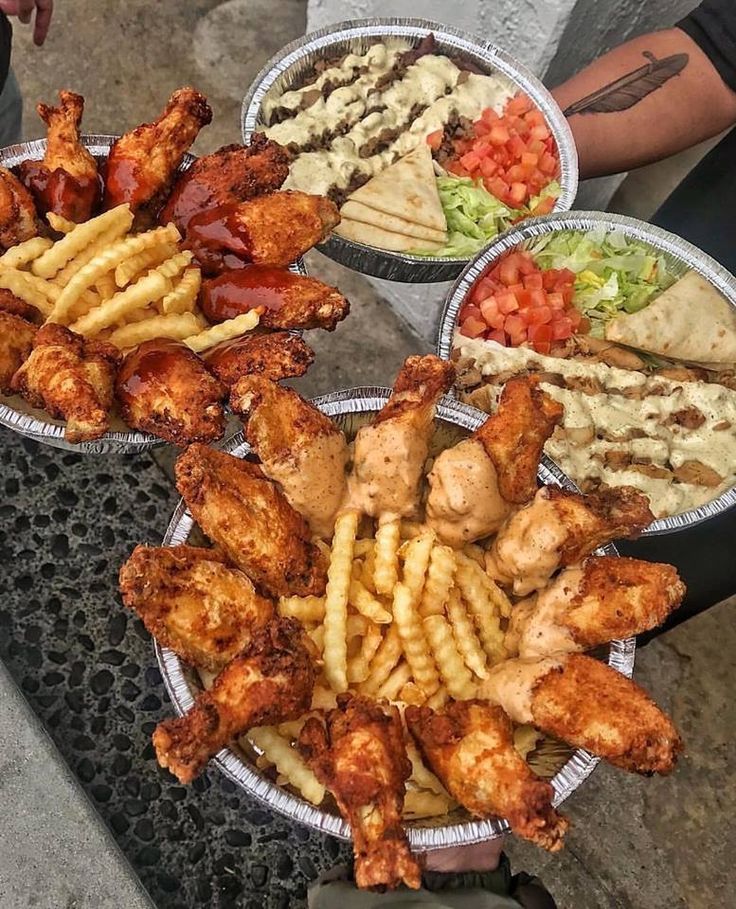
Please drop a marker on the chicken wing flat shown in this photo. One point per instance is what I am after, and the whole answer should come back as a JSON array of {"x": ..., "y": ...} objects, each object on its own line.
[
  {"x": 192, "y": 602},
  {"x": 16, "y": 341},
  {"x": 164, "y": 388},
  {"x": 390, "y": 452},
  {"x": 606, "y": 599},
  {"x": 360, "y": 757},
  {"x": 270, "y": 682},
  {"x": 589, "y": 705},
  {"x": 143, "y": 163},
  {"x": 516, "y": 434},
  {"x": 274, "y": 356},
  {"x": 298, "y": 446},
  {"x": 234, "y": 173},
  {"x": 287, "y": 300},
  {"x": 72, "y": 378},
  {"x": 248, "y": 516},
  {"x": 559, "y": 528},
  {"x": 274, "y": 229},
  {"x": 66, "y": 181},
  {"x": 470, "y": 746},
  {"x": 18, "y": 216}
]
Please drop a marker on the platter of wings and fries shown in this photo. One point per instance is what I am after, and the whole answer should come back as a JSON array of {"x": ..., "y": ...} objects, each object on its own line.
[
  {"x": 409, "y": 630},
  {"x": 137, "y": 282}
]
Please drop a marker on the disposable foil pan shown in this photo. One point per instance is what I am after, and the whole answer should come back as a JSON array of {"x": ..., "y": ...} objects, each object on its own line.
[
  {"x": 680, "y": 257},
  {"x": 349, "y": 408},
  {"x": 17, "y": 414},
  {"x": 287, "y": 68}
]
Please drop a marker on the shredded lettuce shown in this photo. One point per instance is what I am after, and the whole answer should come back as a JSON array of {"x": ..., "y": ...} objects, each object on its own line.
[{"x": 614, "y": 275}]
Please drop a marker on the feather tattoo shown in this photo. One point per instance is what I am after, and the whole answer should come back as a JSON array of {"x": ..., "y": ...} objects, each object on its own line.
[{"x": 628, "y": 90}]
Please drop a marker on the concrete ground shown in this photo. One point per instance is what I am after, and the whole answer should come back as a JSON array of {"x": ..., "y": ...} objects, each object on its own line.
[{"x": 647, "y": 844}]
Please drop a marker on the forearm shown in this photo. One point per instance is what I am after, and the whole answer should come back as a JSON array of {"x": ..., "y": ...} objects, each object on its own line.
[{"x": 686, "y": 108}]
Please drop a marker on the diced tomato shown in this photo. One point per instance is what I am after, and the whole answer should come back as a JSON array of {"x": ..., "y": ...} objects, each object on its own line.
[
  {"x": 549, "y": 278},
  {"x": 539, "y": 315},
  {"x": 527, "y": 266},
  {"x": 499, "y": 135},
  {"x": 537, "y": 297},
  {"x": 520, "y": 104},
  {"x": 498, "y": 336},
  {"x": 556, "y": 300},
  {"x": 533, "y": 281},
  {"x": 481, "y": 128},
  {"x": 539, "y": 132},
  {"x": 490, "y": 116},
  {"x": 496, "y": 187},
  {"x": 467, "y": 311},
  {"x": 489, "y": 309},
  {"x": 510, "y": 270},
  {"x": 472, "y": 327},
  {"x": 455, "y": 167},
  {"x": 548, "y": 164},
  {"x": 488, "y": 167},
  {"x": 470, "y": 161},
  {"x": 544, "y": 206},
  {"x": 562, "y": 329},
  {"x": 518, "y": 193},
  {"x": 483, "y": 289},
  {"x": 507, "y": 302},
  {"x": 540, "y": 337},
  {"x": 434, "y": 140},
  {"x": 516, "y": 146}
]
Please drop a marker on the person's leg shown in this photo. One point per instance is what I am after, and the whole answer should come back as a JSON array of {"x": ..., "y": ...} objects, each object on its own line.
[{"x": 11, "y": 112}]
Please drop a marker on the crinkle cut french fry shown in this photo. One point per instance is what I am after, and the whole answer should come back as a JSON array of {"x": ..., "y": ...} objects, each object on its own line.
[
  {"x": 420, "y": 774},
  {"x": 386, "y": 554},
  {"x": 174, "y": 325},
  {"x": 106, "y": 286},
  {"x": 98, "y": 246},
  {"x": 225, "y": 331},
  {"x": 476, "y": 553},
  {"x": 26, "y": 286},
  {"x": 416, "y": 562},
  {"x": 134, "y": 265},
  {"x": 136, "y": 296},
  {"x": 395, "y": 682},
  {"x": 411, "y": 693},
  {"x": 306, "y": 609},
  {"x": 363, "y": 547},
  {"x": 438, "y": 699},
  {"x": 466, "y": 637},
  {"x": 318, "y": 638},
  {"x": 453, "y": 671},
  {"x": 184, "y": 296},
  {"x": 440, "y": 576},
  {"x": 359, "y": 666},
  {"x": 470, "y": 578},
  {"x": 411, "y": 529},
  {"x": 368, "y": 573},
  {"x": 420, "y": 803},
  {"x": 414, "y": 640},
  {"x": 25, "y": 252},
  {"x": 336, "y": 600},
  {"x": 288, "y": 762},
  {"x": 323, "y": 698},
  {"x": 387, "y": 656},
  {"x": 59, "y": 224},
  {"x": 364, "y": 602}
]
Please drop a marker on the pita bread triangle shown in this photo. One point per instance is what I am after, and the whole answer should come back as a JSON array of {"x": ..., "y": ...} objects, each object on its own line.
[
  {"x": 406, "y": 189},
  {"x": 689, "y": 321}
]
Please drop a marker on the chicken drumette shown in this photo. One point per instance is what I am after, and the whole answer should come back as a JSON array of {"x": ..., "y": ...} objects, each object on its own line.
[
  {"x": 270, "y": 682},
  {"x": 470, "y": 746},
  {"x": 192, "y": 602},
  {"x": 66, "y": 181},
  {"x": 16, "y": 342},
  {"x": 72, "y": 378},
  {"x": 248, "y": 516},
  {"x": 275, "y": 356},
  {"x": 360, "y": 757},
  {"x": 18, "y": 217},
  {"x": 143, "y": 163},
  {"x": 298, "y": 446},
  {"x": 164, "y": 388}
]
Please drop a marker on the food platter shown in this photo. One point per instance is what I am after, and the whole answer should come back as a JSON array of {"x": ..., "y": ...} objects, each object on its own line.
[
  {"x": 348, "y": 408},
  {"x": 298, "y": 59},
  {"x": 679, "y": 257}
]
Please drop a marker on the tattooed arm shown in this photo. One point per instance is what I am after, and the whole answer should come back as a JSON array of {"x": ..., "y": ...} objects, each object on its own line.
[{"x": 643, "y": 101}]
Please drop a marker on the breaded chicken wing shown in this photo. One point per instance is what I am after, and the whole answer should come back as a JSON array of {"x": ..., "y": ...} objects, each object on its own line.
[
  {"x": 470, "y": 747},
  {"x": 142, "y": 164},
  {"x": 288, "y": 300},
  {"x": 15, "y": 306},
  {"x": 589, "y": 705},
  {"x": 248, "y": 516},
  {"x": 274, "y": 356},
  {"x": 390, "y": 452},
  {"x": 269, "y": 230},
  {"x": 608, "y": 598},
  {"x": 72, "y": 378},
  {"x": 473, "y": 485},
  {"x": 559, "y": 528},
  {"x": 193, "y": 602},
  {"x": 164, "y": 388},
  {"x": 298, "y": 446},
  {"x": 16, "y": 341},
  {"x": 18, "y": 216},
  {"x": 234, "y": 173},
  {"x": 361, "y": 758},
  {"x": 270, "y": 682},
  {"x": 66, "y": 181}
]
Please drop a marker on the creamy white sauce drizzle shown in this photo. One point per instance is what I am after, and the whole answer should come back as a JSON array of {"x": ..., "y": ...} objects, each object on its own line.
[{"x": 511, "y": 685}]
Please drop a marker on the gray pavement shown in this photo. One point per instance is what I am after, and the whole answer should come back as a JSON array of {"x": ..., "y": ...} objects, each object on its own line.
[{"x": 643, "y": 844}]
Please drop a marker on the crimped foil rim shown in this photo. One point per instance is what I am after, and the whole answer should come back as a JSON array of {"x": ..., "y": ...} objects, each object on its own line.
[
  {"x": 383, "y": 263},
  {"x": 677, "y": 250},
  {"x": 52, "y": 433},
  {"x": 577, "y": 769}
]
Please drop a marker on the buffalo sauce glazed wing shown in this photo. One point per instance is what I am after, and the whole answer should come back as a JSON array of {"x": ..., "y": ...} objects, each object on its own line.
[{"x": 275, "y": 356}]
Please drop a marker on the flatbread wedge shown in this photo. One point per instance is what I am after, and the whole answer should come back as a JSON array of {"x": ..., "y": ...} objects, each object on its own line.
[
  {"x": 690, "y": 321},
  {"x": 371, "y": 235},
  {"x": 358, "y": 211}
]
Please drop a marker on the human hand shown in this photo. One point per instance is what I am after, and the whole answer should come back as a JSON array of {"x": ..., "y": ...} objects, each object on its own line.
[
  {"x": 24, "y": 10},
  {"x": 479, "y": 857}
]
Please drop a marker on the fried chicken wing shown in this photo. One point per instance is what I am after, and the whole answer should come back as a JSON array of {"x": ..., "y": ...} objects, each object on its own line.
[
  {"x": 390, "y": 452},
  {"x": 361, "y": 758},
  {"x": 234, "y": 173},
  {"x": 193, "y": 602},
  {"x": 589, "y": 705},
  {"x": 18, "y": 216},
  {"x": 15, "y": 306},
  {"x": 248, "y": 516},
  {"x": 66, "y": 181},
  {"x": 298, "y": 446},
  {"x": 275, "y": 356},
  {"x": 606, "y": 599},
  {"x": 143, "y": 163},
  {"x": 473, "y": 485},
  {"x": 16, "y": 341},
  {"x": 72, "y": 378},
  {"x": 270, "y": 682},
  {"x": 470, "y": 746},
  {"x": 288, "y": 300},
  {"x": 269, "y": 230},
  {"x": 559, "y": 528},
  {"x": 164, "y": 388}
]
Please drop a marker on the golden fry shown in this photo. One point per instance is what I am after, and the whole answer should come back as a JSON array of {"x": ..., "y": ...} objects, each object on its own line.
[
  {"x": 306, "y": 609},
  {"x": 395, "y": 682},
  {"x": 136, "y": 296},
  {"x": 466, "y": 636},
  {"x": 60, "y": 224},
  {"x": 359, "y": 666},
  {"x": 420, "y": 803},
  {"x": 440, "y": 577},
  {"x": 388, "y": 536},
  {"x": 225, "y": 331},
  {"x": 134, "y": 265},
  {"x": 25, "y": 252},
  {"x": 453, "y": 671},
  {"x": 414, "y": 640},
  {"x": 288, "y": 762},
  {"x": 174, "y": 325},
  {"x": 184, "y": 296},
  {"x": 387, "y": 656},
  {"x": 364, "y": 602},
  {"x": 416, "y": 554},
  {"x": 336, "y": 600}
]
